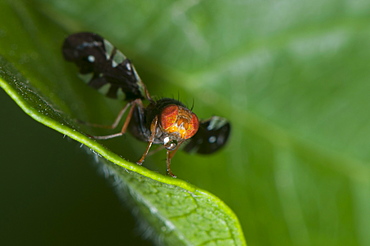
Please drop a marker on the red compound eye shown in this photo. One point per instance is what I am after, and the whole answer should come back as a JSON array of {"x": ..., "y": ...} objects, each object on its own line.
[
  {"x": 169, "y": 116},
  {"x": 179, "y": 120},
  {"x": 193, "y": 126}
]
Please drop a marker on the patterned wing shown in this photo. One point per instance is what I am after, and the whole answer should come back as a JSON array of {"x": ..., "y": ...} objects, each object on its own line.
[
  {"x": 103, "y": 67},
  {"x": 213, "y": 134}
]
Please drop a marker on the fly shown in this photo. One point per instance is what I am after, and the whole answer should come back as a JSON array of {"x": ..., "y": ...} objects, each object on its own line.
[{"x": 166, "y": 121}]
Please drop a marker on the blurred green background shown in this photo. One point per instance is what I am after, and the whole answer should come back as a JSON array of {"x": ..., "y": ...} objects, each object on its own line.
[{"x": 292, "y": 77}]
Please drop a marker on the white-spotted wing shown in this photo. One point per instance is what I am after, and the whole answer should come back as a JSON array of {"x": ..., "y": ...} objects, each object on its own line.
[
  {"x": 103, "y": 67},
  {"x": 211, "y": 136}
]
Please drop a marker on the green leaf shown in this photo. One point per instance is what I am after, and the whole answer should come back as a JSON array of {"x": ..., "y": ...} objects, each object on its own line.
[
  {"x": 178, "y": 212},
  {"x": 293, "y": 78}
]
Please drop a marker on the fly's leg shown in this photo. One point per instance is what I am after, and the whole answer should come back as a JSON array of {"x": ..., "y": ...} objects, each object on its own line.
[
  {"x": 133, "y": 104},
  {"x": 153, "y": 128},
  {"x": 115, "y": 123},
  {"x": 170, "y": 155}
]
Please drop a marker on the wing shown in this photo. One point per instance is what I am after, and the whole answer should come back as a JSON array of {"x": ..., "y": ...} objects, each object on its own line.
[
  {"x": 103, "y": 67},
  {"x": 212, "y": 135}
]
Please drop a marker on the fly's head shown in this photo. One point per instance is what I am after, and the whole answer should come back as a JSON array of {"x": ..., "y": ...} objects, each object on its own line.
[{"x": 177, "y": 124}]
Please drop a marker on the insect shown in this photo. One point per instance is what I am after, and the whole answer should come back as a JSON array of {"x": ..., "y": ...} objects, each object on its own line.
[{"x": 166, "y": 121}]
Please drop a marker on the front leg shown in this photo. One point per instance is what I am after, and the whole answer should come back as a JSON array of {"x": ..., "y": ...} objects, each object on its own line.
[
  {"x": 170, "y": 155},
  {"x": 153, "y": 129}
]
